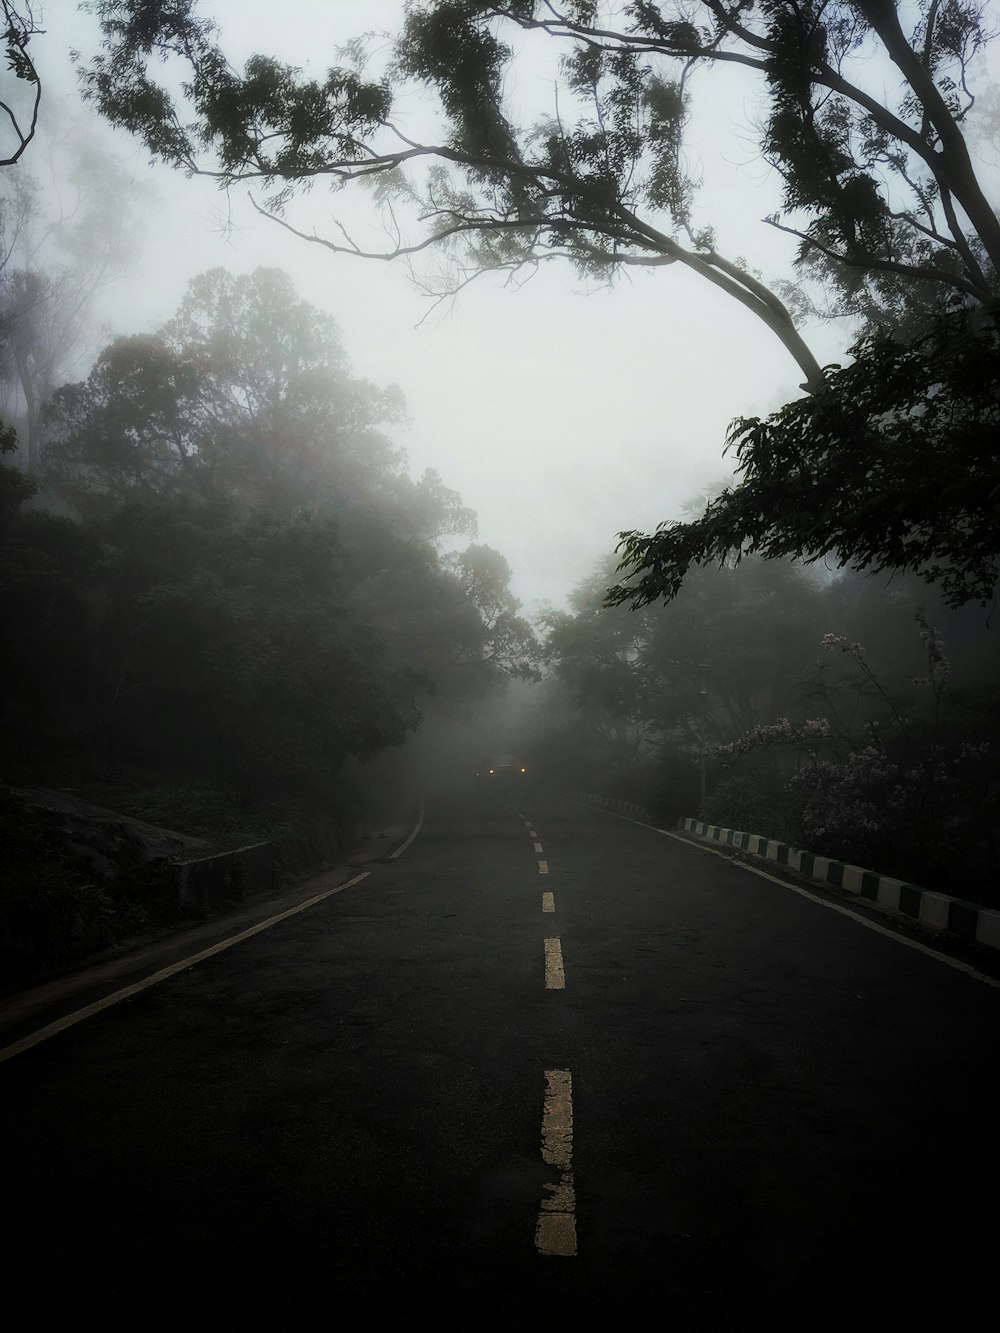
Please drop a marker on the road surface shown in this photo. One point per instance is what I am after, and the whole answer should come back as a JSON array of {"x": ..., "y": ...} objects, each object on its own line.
[{"x": 546, "y": 1064}]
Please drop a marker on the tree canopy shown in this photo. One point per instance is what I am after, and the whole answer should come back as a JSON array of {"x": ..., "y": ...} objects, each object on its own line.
[
  {"x": 246, "y": 393},
  {"x": 880, "y": 192},
  {"x": 895, "y": 467},
  {"x": 252, "y": 589},
  {"x": 197, "y": 640},
  {"x": 863, "y": 104}
]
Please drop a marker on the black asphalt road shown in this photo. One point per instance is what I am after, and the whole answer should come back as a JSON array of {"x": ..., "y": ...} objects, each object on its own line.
[{"x": 778, "y": 1113}]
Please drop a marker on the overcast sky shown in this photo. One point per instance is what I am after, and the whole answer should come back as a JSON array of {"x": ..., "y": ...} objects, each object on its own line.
[{"x": 562, "y": 413}]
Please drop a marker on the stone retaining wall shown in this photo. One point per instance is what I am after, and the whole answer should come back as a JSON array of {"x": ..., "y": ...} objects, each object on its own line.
[{"x": 228, "y": 877}]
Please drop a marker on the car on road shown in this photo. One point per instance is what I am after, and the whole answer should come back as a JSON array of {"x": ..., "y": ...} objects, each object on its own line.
[{"x": 503, "y": 768}]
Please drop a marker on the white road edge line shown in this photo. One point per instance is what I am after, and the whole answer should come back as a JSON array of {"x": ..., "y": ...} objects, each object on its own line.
[
  {"x": 956, "y": 963},
  {"x": 555, "y": 1233},
  {"x": 70, "y": 1020},
  {"x": 420, "y": 823}
]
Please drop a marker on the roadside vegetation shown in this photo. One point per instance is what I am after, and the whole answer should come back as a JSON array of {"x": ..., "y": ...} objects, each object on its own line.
[
  {"x": 222, "y": 593},
  {"x": 850, "y": 716},
  {"x": 244, "y": 587}
]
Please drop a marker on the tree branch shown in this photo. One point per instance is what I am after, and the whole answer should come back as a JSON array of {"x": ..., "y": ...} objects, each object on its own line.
[
  {"x": 18, "y": 31},
  {"x": 874, "y": 263}
]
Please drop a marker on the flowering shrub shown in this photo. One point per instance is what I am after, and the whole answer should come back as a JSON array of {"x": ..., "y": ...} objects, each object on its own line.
[
  {"x": 801, "y": 734},
  {"x": 851, "y": 808},
  {"x": 911, "y": 819},
  {"x": 840, "y": 641}
]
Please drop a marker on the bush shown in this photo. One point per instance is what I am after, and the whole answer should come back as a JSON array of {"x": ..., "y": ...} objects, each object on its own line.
[
  {"x": 757, "y": 800},
  {"x": 929, "y": 819}
]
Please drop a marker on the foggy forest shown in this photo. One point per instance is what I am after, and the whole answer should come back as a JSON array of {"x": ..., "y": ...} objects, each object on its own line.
[
  {"x": 500, "y": 726},
  {"x": 232, "y": 608}
]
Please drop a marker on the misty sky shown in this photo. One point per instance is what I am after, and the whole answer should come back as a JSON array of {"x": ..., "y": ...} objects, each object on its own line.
[{"x": 562, "y": 413}]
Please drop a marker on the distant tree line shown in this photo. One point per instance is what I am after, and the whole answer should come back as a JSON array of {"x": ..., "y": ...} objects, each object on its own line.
[
  {"x": 236, "y": 521},
  {"x": 242, "y": 584},
  {"x": 855, "y": 716}
]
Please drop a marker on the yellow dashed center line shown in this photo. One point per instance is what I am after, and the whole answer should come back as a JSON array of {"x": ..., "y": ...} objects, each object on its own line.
[
  {"x": 555, "y": 1233},
  {"x": 543, "y": 867},
  {"x": 555, "y": 977},
  {"x": 539, "y": 847},
  {"x": 548, "y": 902}
]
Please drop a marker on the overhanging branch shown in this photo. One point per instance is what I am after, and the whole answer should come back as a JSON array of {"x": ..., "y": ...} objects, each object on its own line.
[{"x": 874, "y": 263}]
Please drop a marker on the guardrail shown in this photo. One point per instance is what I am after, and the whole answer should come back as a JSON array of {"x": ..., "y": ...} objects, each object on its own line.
[{"x": 938, "y": 911}]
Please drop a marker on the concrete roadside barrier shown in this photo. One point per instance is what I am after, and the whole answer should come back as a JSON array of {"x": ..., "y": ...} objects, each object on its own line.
[{"x": 936, "y": 911}]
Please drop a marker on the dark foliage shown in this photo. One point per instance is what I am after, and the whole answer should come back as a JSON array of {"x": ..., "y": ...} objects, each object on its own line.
[
  {"x": 881, "y": 192},
  {"x": 18, "y": 28},
  {"x": 254, "y": 591},
  {"x": 894, "y": 466},
  {"x": 197, "y": 639}
]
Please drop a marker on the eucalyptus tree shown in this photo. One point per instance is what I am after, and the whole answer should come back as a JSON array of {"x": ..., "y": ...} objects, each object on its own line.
[
  {"x": 19, "y": 120},
  {"x": 873, "y": 192},
  {"x": 70, "y": 227},
  {"x": 19, "y": 125},
  {"x": 862, "y": 105}
]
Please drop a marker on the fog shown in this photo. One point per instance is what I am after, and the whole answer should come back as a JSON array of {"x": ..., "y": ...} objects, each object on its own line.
[
  {"x": 563, "y": 412},
  {"x": 500, "y": 713},
  {"x": 254, "y": 583}
]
